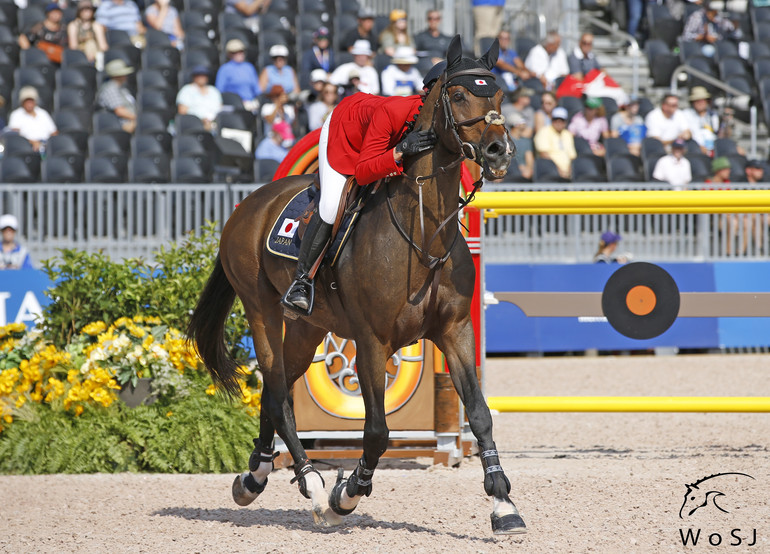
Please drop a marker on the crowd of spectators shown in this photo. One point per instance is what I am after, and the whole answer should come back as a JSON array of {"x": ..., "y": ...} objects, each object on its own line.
[{"x": 247, "y": 78}]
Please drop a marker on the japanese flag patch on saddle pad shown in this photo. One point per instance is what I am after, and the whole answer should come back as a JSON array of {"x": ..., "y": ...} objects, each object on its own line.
[{"x": 283, "y": 240}]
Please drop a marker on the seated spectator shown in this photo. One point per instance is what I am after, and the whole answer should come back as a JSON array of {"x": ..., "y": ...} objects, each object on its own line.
[
  {"x": 401, "y": 77},
  {"x": 755, "y": 172},
  {"x": 122, "y": 15},
  {"x": 674, "y": 168},
  {"x": 115, "y": 97},
  {"x": 352, "y": 86},
  {"x": 279, "y": 72},
  {"x": 707, "y": 26},
  {"x": 591, "y": 125},
  {"x": 164, "y": 17},
  {"x": 608, "y": 243},
  {"x": 277, "y": 108},
  {"x": 720, "y": 170},
  {"x": 509, "y": 67},
  {"x": 363, "y": 31},
  {"x": 276, "y": 145},
  {"x": 582, "y": 60},
  {"x": 432, "y": 42},
  {"x": 49, "y": 35},
  {"x": 318, "y": 56},
  {"x": 556, "y": 143},
  {"x": 14, "y": 254},
  {"x": 547, "y": 61},
  {"x": 369, "y": 79},
  {"x": 396, "y": 34},
  {"x": 199, "y": 98},
  {"x": 86, "y": 34},
  {"x": 521, "y": 106},
  {"x": 318, "y": 78},
  {"x": 250, "y": 10},
  {"x": 543, "y": 115},
  {"x": 30, "y": 120},
  {"x": 667, "y": 122},
  {"x": 702, "y": 120},
  {"x": 525, "y": 157},
  {"x": 319, "y": 110},
  {"x": 629, "y": 125},
  {"x": 239, "y": 76}
]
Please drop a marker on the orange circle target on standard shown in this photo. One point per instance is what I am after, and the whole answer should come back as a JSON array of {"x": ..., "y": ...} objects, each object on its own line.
[{"x": 641, "y": 300}]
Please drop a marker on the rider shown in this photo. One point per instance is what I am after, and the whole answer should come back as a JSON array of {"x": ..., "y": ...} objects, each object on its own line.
[{"x": 366, "y": 130}]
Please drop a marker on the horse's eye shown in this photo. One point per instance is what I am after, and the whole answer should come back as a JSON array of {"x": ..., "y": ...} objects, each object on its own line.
[{"x": 458, "y": 96}]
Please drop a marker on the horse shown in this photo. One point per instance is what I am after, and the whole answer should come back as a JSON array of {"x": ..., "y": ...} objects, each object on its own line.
[{"x": 390, "y": 287}]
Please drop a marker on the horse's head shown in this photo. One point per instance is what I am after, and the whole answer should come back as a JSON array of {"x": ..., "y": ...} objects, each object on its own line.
[{"x": 466, "y": 115}]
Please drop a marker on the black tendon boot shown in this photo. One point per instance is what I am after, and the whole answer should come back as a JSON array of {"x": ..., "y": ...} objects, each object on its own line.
[{"x": 300, "y": 294}]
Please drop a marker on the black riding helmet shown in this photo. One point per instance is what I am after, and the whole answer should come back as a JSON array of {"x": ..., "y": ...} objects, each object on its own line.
[{"x": 433, "y": 74}]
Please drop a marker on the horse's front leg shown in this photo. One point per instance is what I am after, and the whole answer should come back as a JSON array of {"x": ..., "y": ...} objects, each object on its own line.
[
  {"x": 458, "y": 345},
  {"x": 370, "y": 361}
]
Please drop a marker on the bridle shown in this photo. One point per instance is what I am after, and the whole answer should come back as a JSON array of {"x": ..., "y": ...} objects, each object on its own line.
[{"x": 492, "y": 117}]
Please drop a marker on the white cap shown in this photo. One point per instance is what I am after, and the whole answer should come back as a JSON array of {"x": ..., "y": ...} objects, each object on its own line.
[
  {"x": 361, "y": 47},
  {"x": 279, "y": 50},
  {"x": 9, "y": 220},
  {"x": 318, "y": 75},
  {"x": 404, "y": 55}
]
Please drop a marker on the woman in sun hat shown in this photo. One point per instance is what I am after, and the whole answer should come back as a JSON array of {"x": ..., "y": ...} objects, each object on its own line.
[
  {"x": 396, "y": 34},
  {"x": 239, "y": 76},
  {"x": 703, "y": 120},
  {"x": 279, "y": 72},
  {"x": 85, "y": 33},
  {"x": 401, "y": 77}
]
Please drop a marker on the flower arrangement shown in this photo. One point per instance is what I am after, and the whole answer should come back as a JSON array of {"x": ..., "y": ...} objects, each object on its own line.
[{"x": 98, "y": 362}]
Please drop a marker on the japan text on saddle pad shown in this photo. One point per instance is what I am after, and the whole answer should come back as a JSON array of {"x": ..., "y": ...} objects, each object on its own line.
[{"x": 283, "y": 240}]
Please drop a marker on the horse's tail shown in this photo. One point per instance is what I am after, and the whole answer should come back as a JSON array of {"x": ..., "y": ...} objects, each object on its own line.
[{"x": 207, "y": 328}]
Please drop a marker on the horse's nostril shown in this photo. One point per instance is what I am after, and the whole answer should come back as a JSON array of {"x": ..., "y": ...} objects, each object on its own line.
[{"x": 495, "y": 150}]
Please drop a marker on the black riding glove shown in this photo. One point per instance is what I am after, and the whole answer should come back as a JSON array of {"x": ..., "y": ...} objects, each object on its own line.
[{"x": 416, "y": 142}]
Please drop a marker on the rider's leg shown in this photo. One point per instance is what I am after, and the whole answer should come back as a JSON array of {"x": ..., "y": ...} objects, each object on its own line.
[{"x": 319, "y": 229}]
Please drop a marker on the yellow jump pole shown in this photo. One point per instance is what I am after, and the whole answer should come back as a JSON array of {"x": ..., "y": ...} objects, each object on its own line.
[
  {"x": 742, "y": 404},
  {"x": 623, "y": 202}
]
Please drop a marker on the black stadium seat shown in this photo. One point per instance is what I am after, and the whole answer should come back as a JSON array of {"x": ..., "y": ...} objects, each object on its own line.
[
  {"x": 191, "y": 169},
  {"x": 15, "y": 169},
  {"x": 106, "y": 169},
  {"x": 150, "y": 169},
  {"x": 62, "y": 169}
]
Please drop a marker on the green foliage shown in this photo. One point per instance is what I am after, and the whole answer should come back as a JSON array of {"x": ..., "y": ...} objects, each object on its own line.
[
  {"x": 198, "y": 434},
  {"x": 92, "y": 287}
]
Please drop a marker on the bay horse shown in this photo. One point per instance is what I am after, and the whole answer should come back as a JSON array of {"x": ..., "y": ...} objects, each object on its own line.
[{"x": 391, "y": 286}]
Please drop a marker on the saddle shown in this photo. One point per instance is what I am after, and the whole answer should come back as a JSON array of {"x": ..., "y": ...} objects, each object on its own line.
[{"x": 289, "y": 228}]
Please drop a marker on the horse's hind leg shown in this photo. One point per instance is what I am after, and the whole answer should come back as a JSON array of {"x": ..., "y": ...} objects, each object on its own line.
[
  {"x": 459, "y": 349},
  {"x": 371, "y": 359},
  {"x": 249, "y": 485}
]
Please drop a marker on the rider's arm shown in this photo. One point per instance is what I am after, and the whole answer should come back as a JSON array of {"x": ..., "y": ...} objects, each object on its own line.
[{"x": 378, "y": 158}]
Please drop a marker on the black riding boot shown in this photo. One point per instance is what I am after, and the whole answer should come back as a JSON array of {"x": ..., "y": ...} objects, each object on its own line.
[{"x": 300, "y": 294}]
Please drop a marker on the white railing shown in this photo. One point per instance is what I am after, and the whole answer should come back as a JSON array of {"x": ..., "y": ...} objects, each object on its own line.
[{"x": 130, "y": 220}]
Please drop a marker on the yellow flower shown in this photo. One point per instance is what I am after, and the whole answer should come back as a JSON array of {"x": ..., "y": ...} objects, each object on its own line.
[
  {"x": 78, "y": 410},
  {"x": 169, "y": 413},
  {"x": 95, "y": 328},
  {"x": 211, "y": 390}
]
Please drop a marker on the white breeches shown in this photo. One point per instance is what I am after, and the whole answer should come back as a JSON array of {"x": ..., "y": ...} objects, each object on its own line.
[{"x": 332, "y": 183}]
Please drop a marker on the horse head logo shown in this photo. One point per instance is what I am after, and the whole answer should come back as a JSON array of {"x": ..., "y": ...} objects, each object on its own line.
[{"x": 701, "y": 492}]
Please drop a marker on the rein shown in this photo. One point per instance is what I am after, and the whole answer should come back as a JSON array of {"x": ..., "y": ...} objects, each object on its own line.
[{"x": 492, "y": 117}]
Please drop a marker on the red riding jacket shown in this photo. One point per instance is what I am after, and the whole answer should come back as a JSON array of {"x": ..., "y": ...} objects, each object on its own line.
[{"x": 363, "y": 131}]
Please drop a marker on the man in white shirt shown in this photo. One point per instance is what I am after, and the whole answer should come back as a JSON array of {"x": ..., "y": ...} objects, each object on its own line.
[
  {"x": 30, "y": 120},
  {"x": 199, "y": 98},
  {"x": 362, "y": 64},
  {"x": 674, "y": 168},
  {"x": 667, "y": 122},
  {"x": 401, "y": 78},
  {"x": 548, "y": 61}
]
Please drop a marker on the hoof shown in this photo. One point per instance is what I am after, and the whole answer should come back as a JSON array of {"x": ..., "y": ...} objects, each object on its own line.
[
  {"x": 336, "y": 495},
  {"x": 242, "y": 495},
  {"x": 325, "y": 517},
  {"x": 509, "y": 524}
]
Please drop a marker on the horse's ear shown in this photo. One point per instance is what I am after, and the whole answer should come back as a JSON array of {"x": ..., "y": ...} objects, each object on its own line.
[
  {"x": 489, "y": 59},
  {"x": 454, "y": 52}
]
